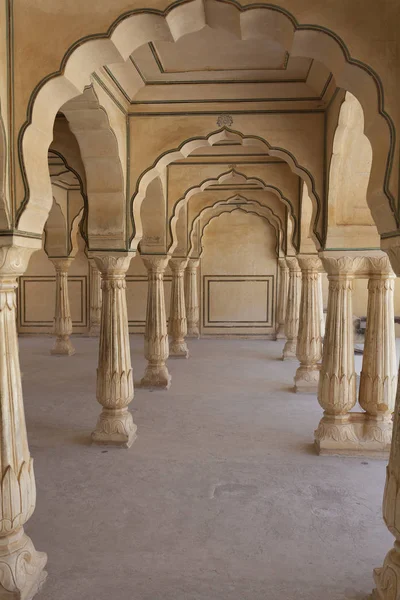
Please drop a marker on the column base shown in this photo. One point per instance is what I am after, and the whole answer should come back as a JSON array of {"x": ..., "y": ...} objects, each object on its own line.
[
  {"x": 193, "y": 332},
  {"x": 306, "y": 379},
  {"x": 280, "y": 333},
  {"x": 63, "y": 347},
  {"x": 289, "y": 351},
  {"x": 178, "y": 350},
  {"x": 354, "y": 434},
  {"x": 94, "y": 331},
  {"x": 21, "y": 567},
  {"x": 156, "y": 376},
  {"x": 115, "y": 427},
  {"x": 387, "y": 578}
]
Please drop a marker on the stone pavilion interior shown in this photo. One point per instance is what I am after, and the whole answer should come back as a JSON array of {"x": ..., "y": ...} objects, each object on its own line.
[{"x": 199, "y": 306}]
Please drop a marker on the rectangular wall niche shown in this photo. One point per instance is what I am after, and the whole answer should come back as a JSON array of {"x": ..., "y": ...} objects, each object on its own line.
[
  {"x": 36, "y": 300},
  {"x": 238, "y": 305}
]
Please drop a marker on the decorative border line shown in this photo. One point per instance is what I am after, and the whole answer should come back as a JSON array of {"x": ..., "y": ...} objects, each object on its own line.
[
  {"x": 268, "y": 279},
  {"x": 23, "y": 294}
]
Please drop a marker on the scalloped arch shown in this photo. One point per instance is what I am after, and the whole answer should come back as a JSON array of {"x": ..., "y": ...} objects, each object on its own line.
[
  {"x": 138, "y": 27},
  {"x": 173, "y": 221},
  {"x": 253, "y": 211},
  {"x": 252, "y": 205}
]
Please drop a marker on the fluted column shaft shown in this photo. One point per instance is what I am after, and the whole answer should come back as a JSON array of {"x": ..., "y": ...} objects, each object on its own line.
[
  {"x": 337, "y": 384},
  {"x": 62, "y": 315},
  {"x": 177, "y": 326},
  {"x": 309, "y": 341},
  {"x": 192, "y": 298},
  {"x": 282, "y": 298},
  {"x": 387, "y": 578},
  {"x": 95, "y": 299},
  {"x": 292, "y": 309},
  {"x": 378, "y": 380},
  {"x": 114, "y": 373},
  {"x": 156, "y": 346},
  {"x": 21, "y": 566},
  {"x": 321, "y": 303}
]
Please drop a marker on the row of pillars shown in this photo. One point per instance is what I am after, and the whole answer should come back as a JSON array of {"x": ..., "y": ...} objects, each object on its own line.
[
  {"x": 160, "y": 341},
  {"x": 22, "y": 567},
  {"x": 326, "y": 354}
]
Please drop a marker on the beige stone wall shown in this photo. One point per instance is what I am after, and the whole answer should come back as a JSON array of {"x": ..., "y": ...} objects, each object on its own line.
[{"x": 238, "y": 276}]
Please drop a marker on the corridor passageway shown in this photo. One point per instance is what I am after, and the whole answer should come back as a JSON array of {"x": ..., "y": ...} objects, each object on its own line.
[{"x": 221, "y": 496}]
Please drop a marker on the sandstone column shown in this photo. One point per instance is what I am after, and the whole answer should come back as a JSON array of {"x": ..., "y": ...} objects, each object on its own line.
[
  {"x": 337, "y": 382},
  {"x": 321, "y": 303},
  {"x": 292, "y": 309},
  {"x": 177, "y": 326},
  {"x": 192, "y": 298},
  {"x": 156, "y": 346},
  {"x": 115, "y": 425},
  {"x": 282, "y": 298},
  {"x": 378, "y": 380},
  {"x": 95, "y": 299},
  {"x": 309, "y": 341},
  {"x": 387, "y": 578},
  {"x": 62, "y": 317},
  {"x": 21, "y": 566}
]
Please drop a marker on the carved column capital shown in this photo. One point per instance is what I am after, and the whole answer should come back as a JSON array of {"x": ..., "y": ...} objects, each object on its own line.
[
  {"x": 155, "y": 263},
  {"x": 293, "y": 264},
  {"x": 193, "y": 264},
  {"x": 112, "y": 264},
  {"x": 392, "y": 248},
  {"x": 14, "y": 260},
  {"x": 61, "y": 263},
  {"x": 283, "y": 264},
  {"x": 309, "y": 262},
  {"x": 178, "y": 265}
]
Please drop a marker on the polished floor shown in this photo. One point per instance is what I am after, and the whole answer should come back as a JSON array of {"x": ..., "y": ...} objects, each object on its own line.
[{"x": 220, "y": 497}]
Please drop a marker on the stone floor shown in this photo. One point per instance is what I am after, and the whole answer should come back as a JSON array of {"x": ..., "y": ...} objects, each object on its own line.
[{"x": 220, "y": 497}]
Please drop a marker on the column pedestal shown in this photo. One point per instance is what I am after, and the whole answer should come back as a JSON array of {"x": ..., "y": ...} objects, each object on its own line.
[
  {"x": 62, "y": 317},
  {"x": 292, "y": 309},
  {"x": 282, "y": 301},
  {"x": 192, "y": 298},
  {"x": 177, "y": 326},
  {"x": 156, "y": 346},
  {"x": 115, "y": 425},
  {"x": 309, "y": 341}
]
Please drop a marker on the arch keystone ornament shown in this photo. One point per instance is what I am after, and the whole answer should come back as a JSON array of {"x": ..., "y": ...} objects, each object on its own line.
[
  {"x": 156, "y": 345},
  {"x": 115, "y": 391},
  {"x": 21, "y": 566}
]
